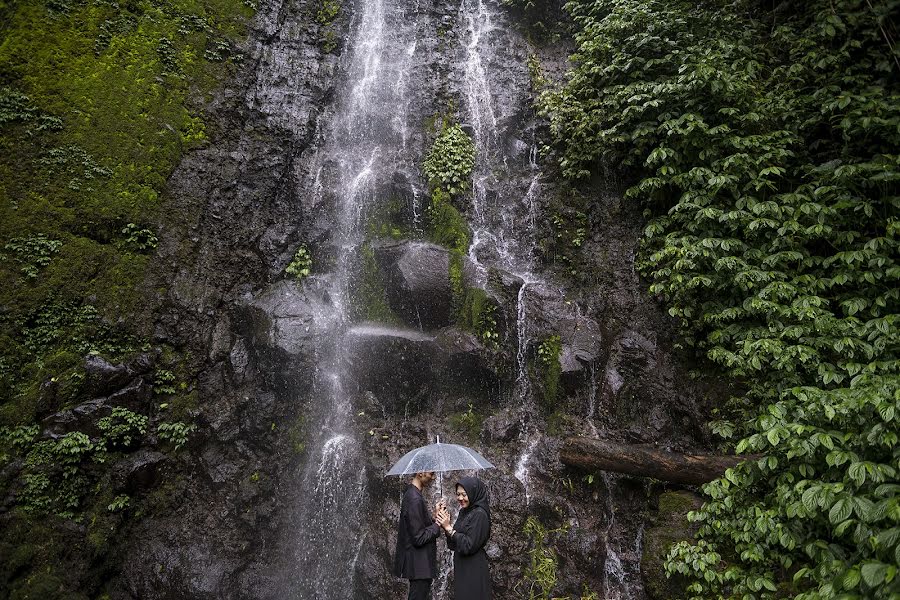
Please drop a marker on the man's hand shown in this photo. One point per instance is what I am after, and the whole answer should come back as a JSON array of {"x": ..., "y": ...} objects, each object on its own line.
[{"x": 443, "y": 519}]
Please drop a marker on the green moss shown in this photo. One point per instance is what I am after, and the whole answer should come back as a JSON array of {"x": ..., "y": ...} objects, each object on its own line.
[
  {"x": 368, "y": 295},
  {"x": 94, "y": 117},
  {"x": 297, "y": 435},
  {"x": 479, "y": 315},
  {"x": 676, "y": 505},
  {"x": 548, "y": 352},
  {"x": 457, "y": 281},
  {"x": 445, "y": 224},
  {"x": 670, "y": 525},
  {"x": 327, "y": 14},
  {"x": 391, "y": 220},
  {"x": 468, "y": 422}
]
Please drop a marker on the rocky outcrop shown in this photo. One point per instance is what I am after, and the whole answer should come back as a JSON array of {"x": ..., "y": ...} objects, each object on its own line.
[
  {"x": 123, "y": 385},
  {"x": 407, "y": 369},
  {"x": 667, "y": 526},
  {"x": 417, "y": 281}
]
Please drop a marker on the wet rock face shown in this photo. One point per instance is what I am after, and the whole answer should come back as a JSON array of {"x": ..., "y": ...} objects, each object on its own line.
[
  {"x": 408, "y": 370},
  {"x": 417, "y": 282},
  {"x": 236, "y": 217},
  {"x": 668, "y": 526}
]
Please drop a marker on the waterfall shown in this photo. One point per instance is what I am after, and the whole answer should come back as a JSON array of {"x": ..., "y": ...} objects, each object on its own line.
[{"x": 363, "y": 144}]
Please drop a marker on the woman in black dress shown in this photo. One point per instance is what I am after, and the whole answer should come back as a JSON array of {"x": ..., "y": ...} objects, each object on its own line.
[{"x": 472, "y": 575}]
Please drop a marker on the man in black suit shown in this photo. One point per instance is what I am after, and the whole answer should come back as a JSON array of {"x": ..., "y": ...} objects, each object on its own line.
[{"x": 416, "y": 556}]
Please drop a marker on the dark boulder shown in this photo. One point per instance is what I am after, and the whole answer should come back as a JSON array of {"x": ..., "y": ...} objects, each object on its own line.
[
  {"x": 137, "y": 472},
  {"x": 417, "y": 281},
  {"x": 282, "y": 329},
  {"x": 397, "y": 365}
]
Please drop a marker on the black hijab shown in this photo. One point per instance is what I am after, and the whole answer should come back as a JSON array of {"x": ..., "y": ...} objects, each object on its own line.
[{"x": 477, "y": 493}]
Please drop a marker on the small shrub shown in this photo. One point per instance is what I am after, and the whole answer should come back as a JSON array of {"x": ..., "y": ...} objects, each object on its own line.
[
  {"x": 301, "y": 265},
  {"x": 16, "y": 107},
  {"x": 122, "y": 428},
  {"x": 328, "y": 12},
  {"x": 450, "y": 160},
  {"x": 176, "y": 433},
  {"x": 138, "y": 239},
  {"x": 118, "y": 503},
  {"x": 168, "y": 56},
  {"x": 74, "y": 162},
  {"x": 32, "y": 253}
]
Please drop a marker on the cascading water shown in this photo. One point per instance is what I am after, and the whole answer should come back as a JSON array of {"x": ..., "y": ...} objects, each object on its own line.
[
  {"x": 363, "y": 145},
  {"x": 504, "y": 236},
  {"x": 498, "y": 238}
]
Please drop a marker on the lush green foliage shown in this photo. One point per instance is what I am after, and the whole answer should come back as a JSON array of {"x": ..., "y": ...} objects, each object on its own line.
[
  {"x": 59, "y": 473},
  {"x": 450, "y": 160},
  {"x": 300, "y": 265},
  {"x": 93, "y": 117},
  {"x": 764, "y": 145},
  {"x": 176, "y": 433}
]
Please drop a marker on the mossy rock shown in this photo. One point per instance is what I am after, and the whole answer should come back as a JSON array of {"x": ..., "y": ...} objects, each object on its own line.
[{"x": 670, "y": 525}]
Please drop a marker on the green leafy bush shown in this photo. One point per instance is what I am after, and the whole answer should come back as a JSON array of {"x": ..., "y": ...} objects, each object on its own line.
[
  {"x": 32, "y": 253},
  {"x": 763, "y": 144},
  {"x": 450, "y": 160},
  {"x": 176, "y": 433},
  {"x": 119, "y": 503},
  {"x": 138, "y": 238},
  {"x": 122, "y": 429},
  {"x": 301, "y": 264}
]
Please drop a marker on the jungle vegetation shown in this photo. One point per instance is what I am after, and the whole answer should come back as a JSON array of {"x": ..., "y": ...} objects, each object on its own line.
[
  {"x": 98, "y": 101},
  {"x": 762, "y": 141}
]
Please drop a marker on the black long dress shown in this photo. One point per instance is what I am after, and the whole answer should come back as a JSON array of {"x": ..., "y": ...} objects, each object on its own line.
[{"x": 472, "y": 574}]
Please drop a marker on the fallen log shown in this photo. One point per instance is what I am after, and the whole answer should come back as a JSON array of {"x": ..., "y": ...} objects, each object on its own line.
[{"x": 645, "y": 461}]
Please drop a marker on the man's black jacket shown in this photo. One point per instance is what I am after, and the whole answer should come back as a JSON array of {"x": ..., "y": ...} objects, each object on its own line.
[{"x": 416, "y": 556}]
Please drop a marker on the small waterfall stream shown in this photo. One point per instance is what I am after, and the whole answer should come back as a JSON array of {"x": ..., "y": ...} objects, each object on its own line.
[{"x": 504, "y": 225}]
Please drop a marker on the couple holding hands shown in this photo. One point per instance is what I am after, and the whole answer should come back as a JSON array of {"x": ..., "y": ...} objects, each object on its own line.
[{"x": 416, "y": 555}]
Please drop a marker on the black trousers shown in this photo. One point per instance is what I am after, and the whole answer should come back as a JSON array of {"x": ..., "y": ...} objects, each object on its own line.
[{"x": 419, "y": 589}]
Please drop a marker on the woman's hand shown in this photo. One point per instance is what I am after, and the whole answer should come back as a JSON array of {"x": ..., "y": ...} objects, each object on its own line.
[{"x": 443, "y": 519}]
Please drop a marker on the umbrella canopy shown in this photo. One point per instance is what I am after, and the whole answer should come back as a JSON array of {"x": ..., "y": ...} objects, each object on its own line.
[{"x": 439, "y": 457}]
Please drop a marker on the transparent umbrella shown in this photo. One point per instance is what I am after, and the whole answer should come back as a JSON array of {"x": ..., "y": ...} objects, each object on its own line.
[{"x": 440, "y": 458}]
